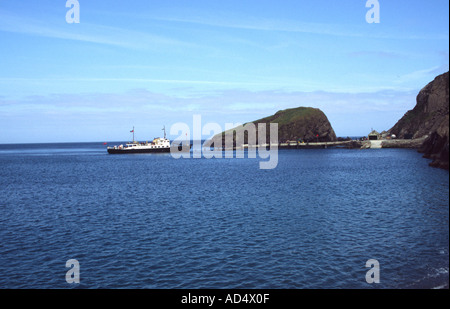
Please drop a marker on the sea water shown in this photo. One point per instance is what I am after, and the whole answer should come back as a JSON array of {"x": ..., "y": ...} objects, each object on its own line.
[{"x": 151, "y": 221}]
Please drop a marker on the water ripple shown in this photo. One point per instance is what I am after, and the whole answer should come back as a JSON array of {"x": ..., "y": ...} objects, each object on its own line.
[{"x": 154, "y": 222}]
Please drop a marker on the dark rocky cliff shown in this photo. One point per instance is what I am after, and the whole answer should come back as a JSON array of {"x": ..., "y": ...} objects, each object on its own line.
[
  {"x": 301, "y": 123},
  {"x": 429, "y": 119}
]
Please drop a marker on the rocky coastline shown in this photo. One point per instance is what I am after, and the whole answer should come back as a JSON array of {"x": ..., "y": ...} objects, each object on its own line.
[
  {"x": 427, "y": 124},
  {"x": 404, "y": 143},
  {"x": 425, "y": 128}
]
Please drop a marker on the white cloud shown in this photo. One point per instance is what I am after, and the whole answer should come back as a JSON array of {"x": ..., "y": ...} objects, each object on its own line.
[
  {"x": 421, "y": 75},
  {"x": 223, "y": 101},
  {"x": 228, "y": 19},
  {"x": 86, "y": 32},
  {"x": 348, "y": 112}
]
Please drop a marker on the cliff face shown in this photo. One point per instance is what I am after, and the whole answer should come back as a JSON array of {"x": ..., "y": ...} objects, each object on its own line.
[
  {"x": 429, "y": 113},
  {"x": 429, "y": 119},
  {"x": 302, "y": 123},
  {"x": 305, "y": 123},
  {"x": 436, "y": 147}
]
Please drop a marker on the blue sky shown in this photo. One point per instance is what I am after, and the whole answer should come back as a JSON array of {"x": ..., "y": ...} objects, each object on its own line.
[{"x": 153, "y": 63}]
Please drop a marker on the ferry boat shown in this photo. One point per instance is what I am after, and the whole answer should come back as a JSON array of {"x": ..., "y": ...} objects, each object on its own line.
[{"x": 157, "y": 145}]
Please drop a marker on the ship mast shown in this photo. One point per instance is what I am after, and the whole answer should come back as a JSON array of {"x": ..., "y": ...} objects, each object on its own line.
[
  {"x": 164, "y": 129},
  {"x": 133, "y": 133}
]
